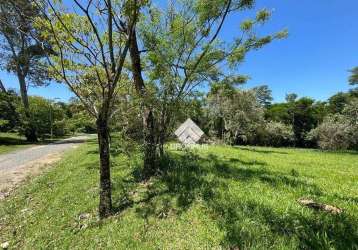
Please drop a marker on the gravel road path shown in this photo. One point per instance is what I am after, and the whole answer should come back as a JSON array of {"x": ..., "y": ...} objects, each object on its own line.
[{"x": 17, "y": 165}]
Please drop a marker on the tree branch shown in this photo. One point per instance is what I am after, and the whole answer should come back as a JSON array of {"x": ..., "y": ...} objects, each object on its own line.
[
  {"x": 96, "y": 32},
  {"x": 207, "y": 47}
]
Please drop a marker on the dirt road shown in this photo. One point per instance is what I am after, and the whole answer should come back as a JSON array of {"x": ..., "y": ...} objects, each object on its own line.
[{"x": 17, "y": 165}]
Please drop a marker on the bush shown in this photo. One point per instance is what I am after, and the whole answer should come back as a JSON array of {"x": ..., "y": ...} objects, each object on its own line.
[
  {"x": 59, "y": 128},
  {"x": 335, "y": 133},
  {"x": 275, "y": 134},
  {"x": 237, "y": 112},
  {"x": 278, "y": 134},
  {"x": 351, "y": 113},
  {"x": 81, "y": 122},
  {"x": 44, "y": 115},
  {"x": 9, "y": 117}
]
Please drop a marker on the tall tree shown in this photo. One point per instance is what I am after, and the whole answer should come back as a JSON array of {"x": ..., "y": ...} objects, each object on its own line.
[
  {"x": 183, "y": 50},
  {"x": 146, "y": 108},
  {"x": 90, "y": 60},
  {"x": 303, "y": 114},
  {"x": 22, "y": 50},
  {"x": 353, "y": 79},
  {"x": 291, "y": 97},
  {"x": 239, "y": 110},
  {"x": 264, "y": 95},
  {"x": 338, "y": 101}
]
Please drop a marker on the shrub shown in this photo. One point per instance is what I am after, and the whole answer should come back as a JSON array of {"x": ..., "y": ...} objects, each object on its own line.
[
  {"x": 335, "y": 133},
  {"x": 237, "y": 112},
  {"x": 279, "y": 134},
  {"x": 351, "y": 111},
  {"x": 9, "y": 117},
  {"x": 81, "y": 122},
  {"x": 275, "y": 134},
  {"x": 59, "y": 128},
  {"x": 44, "y": 116}
]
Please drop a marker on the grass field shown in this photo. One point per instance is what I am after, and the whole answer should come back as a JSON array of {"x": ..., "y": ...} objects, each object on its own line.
[
  {"x": 11, "y": 141},
  {"x": 220, "y": 197}
]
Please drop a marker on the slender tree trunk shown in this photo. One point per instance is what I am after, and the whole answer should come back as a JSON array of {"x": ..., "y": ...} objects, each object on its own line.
[
  {"x": 23, "y": 91},
  {"x": 164, "y": 123},
  {"x": 162, "y": 130},
  {"x": 147, "y": 112},
  {"x": 30, "y": 130},
  {"x": 161, "y": 144},
  {"x": 2, "y": 87},
  {"x": 149, "y": 144},
  {"x": 105, "y": 198}
]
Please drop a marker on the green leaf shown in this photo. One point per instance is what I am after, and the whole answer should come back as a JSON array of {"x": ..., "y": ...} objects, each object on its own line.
[
  {"x": 281, "y": 34},
  {"x": 247, "y": 25},
  {"x": 263, "y": 15}
]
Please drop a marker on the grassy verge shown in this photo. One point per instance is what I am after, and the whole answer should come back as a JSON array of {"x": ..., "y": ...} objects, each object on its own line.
[
  {"x": 12, "y": 141},
  {"x": 220, "y": 197}
]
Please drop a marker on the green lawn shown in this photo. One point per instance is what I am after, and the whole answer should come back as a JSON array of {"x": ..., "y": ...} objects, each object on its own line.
[
  {"x": 222, "y": 197},
  {"x": 12, "y": 141}
]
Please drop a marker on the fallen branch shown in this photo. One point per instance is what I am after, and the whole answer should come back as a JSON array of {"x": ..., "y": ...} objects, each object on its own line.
[{"x": 319, "y": 206}]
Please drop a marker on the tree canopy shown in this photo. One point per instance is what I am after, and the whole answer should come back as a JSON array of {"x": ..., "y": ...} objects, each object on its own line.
[
  {"x": 353, "y": 79},
  {"x": 23, "y": 49}
]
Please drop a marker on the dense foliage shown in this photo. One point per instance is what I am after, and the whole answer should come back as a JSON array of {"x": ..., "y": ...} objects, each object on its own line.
[
  {"x": 227, "y": 114},
  {"x": 48, "y": 117},
  {"x": 9, "y": 118},
  {"x": 23, "y": 51},
  {"x": 339, "y": 131},
  {"x": 353, "y": 79},
  {"x": 233, "y": 115}
]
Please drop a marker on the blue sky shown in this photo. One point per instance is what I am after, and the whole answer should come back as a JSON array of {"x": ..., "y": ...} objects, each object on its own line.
[{"x": 313, "y": 61}]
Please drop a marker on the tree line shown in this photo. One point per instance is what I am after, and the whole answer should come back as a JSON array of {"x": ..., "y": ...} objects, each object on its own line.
[
  {"x": 49, "y": 118},
  {"x": 227, "y": 114},
  {"x": 138, "y": 69},
  {"x": 239, "y": 116}
]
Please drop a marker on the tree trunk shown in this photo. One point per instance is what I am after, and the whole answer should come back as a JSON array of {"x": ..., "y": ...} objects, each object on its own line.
[
  {"x": 149, "y": 144},
  {"x": 105, "y": 197},
  {"x": 161, "y": 144},
  {"x": 30, "y": 130},
  {"x": 147, "y": 113},
  {"x": 2, "y": 87},
  {"x": 162, "y": 137}
]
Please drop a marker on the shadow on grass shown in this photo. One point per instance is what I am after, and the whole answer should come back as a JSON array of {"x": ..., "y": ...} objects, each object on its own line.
[
  {"x": 12, "y": 141},
  {"x": 263, "y": 151},
  {"x": 242, "y": 162},
  {"x": 73, "y": 141},
  {"x": 316, "y": 231},
  {"x": 186, "y": 179},
  {"x": 338, "y": 152},
  {"x": 255, "y": 150}
]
